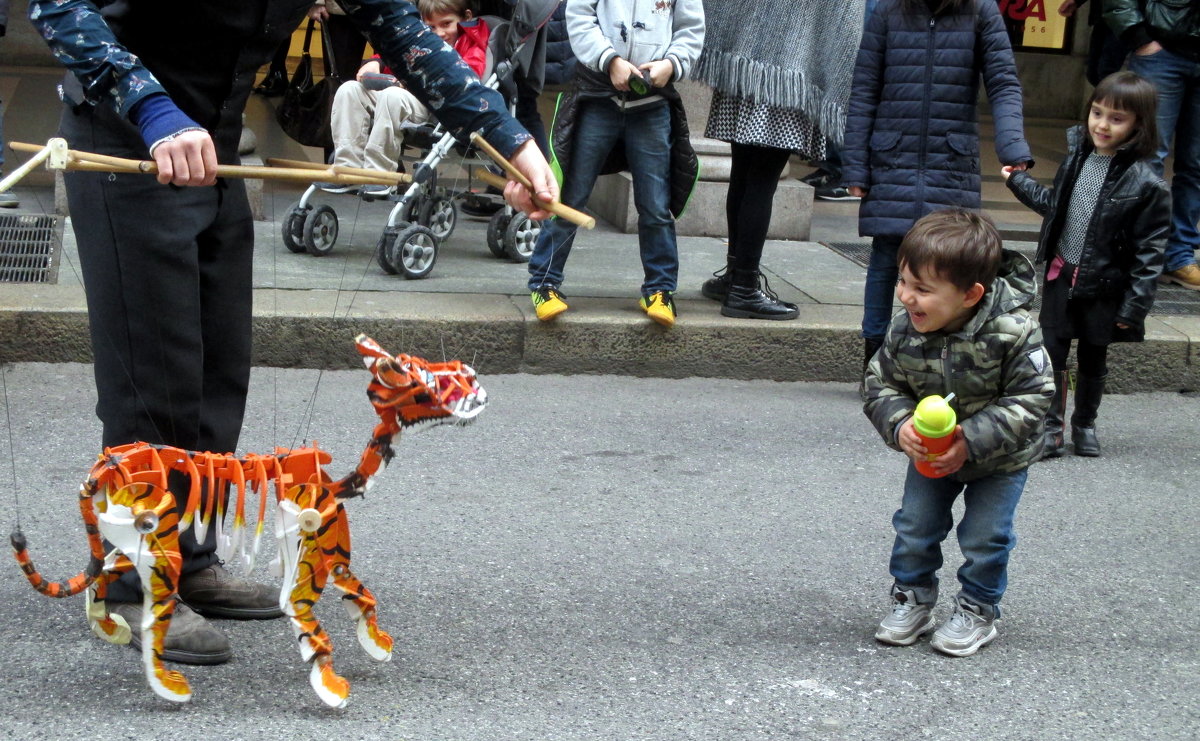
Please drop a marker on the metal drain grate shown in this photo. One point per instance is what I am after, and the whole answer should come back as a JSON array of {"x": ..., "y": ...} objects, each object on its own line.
[{"x": 29, "y": 248}]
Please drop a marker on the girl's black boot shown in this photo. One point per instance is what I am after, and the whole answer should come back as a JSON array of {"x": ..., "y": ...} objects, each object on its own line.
[
  {"x": 750, "y": 298},
  {"x": 1088, "y": 392},
  {"x": 717, "y": 287},
  {"x": 1055, "y": 443}
]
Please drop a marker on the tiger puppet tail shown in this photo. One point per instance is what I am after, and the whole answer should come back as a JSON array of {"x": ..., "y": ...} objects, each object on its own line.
[
  {"x": 111, "y": 628},
  {"x": 83, "y": 579}
]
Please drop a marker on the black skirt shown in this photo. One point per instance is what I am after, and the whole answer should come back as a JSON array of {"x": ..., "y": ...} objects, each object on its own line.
[{"x": 1092, "y": 320}]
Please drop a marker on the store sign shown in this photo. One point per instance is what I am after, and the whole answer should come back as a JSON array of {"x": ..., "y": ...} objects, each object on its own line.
[{"x": 1035, "y": 25}]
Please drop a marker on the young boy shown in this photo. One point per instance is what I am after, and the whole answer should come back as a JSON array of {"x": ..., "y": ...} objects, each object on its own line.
[
  {"x": 965, "y": 329},
  {"x": 366, "y": 119},
  {"x": 627, "y": 51}
]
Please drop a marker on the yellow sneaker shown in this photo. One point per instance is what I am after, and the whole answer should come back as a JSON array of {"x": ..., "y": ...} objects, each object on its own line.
[
  {"x": 548, "y": 303},
  {"x": 1188, "y": 276},
  {"x": 660, "y": 307}
]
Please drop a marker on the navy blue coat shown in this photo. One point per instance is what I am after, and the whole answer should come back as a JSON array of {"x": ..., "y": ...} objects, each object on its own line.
[
  {"x": 560, "y": 60},
  {"x": 912, "y": 138}
]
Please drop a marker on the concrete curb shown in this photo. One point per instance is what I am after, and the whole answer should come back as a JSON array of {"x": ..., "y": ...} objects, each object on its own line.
[{"x": 499, "y": 334}]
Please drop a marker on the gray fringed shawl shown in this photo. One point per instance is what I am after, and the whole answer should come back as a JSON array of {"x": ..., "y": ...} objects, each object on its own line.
[{"x": 796, "y": 54}]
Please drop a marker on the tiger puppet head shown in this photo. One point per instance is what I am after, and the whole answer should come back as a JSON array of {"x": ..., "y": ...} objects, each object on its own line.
[{"x": 419, "y": 392}]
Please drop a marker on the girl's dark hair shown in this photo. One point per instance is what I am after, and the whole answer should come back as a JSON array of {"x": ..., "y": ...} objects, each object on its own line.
[
  {"x": 937, "y": 7},
  {"x": 1129, "y": 92}
]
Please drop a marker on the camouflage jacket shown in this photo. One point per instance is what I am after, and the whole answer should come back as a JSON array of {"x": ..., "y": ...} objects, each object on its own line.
[{"x": 995, "y": 365}]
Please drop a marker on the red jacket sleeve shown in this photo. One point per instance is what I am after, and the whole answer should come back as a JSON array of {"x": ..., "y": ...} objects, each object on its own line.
[{"x": 472, "y": 44}]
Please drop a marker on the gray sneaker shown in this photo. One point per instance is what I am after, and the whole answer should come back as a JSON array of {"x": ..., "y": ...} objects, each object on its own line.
[
  {"x": 908, "y": 620},
  {"x": 190, "y": 639},
  {"x": 970, "y": 628}
]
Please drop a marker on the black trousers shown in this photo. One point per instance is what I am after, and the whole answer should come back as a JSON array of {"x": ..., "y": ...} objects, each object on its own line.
[{"x": 167, "y": 274}]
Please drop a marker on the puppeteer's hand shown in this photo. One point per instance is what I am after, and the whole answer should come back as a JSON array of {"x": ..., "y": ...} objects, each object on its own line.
[
  {"x": 660, "y": 71},
  {"x": 318, "y": 12},
  {"x": 369, "y": 68},
  {"x": 188, "y": 159},
  {"x": 529, "y": 162},
  {"x": 1067, "y": 9}
]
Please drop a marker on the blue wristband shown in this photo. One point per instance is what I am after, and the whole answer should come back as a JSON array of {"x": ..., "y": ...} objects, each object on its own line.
[{"x": 159, "y": 119}]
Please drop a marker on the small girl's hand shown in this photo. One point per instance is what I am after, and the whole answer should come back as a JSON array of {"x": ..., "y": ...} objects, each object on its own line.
[
  {"x": 1122, "y": 325},
  {"x": 1007, "y": 171},
  {"x": 857, "y": 192}
]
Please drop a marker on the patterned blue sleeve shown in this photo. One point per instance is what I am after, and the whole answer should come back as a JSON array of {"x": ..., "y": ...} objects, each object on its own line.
[
  {"x": 82, "y": 41},
  {"x": 435, "y": 73}
]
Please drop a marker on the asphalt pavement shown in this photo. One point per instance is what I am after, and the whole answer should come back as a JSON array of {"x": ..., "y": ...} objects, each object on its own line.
[{"x": 605, "y": 557}]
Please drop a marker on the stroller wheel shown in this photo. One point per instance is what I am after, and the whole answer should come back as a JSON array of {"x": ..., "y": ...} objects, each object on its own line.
[
  {"x": 439, "y": 214},
  {"x": 293, "y": 228},
  {"x": 320, "y": 231},
  {"x": 520, "y": 237},
  {"x": 413, "y": 251},
  {"x": 495, "y": 232},
  {"x": 382, "y": 249}
]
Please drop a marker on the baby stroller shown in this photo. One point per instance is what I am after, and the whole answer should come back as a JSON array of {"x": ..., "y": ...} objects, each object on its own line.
[{"x": 425, "y": 214}]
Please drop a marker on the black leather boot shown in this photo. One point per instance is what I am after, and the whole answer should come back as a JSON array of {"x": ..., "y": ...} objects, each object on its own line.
[
  {"x": 750, "y": 298},
  {"x": 1055, "y": 442},
  {"x": 273, "y": 85},
  {"x": 870, "y": 347},
  {"x": 1088, "y": 392},
  {"x": 717, "y": 286}
]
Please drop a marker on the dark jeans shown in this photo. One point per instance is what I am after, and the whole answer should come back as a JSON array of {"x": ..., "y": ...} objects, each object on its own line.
[
  {"x": 646, "y": 135},
  {"x": 167, "y": 274},
  {"x": 1177, "y": 80},
  {"x": 985, "y": 532},
  {"x": 880, "y": 289}
]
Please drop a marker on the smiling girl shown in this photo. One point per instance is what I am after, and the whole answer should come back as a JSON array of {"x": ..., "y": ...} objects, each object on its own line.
[{"x": 1105, "y": 227}]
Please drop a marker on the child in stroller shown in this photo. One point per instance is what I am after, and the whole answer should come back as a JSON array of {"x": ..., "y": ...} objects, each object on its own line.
[
  {"x": 424, "y": 214},
  {"x": 369, "y": 111}
]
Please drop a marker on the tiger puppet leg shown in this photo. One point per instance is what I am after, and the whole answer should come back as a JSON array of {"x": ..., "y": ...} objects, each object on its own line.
[
  {"x": 359, "y": 602},
  {"x": 141, "y": 522},
  {"x": 305, "y": 573}
]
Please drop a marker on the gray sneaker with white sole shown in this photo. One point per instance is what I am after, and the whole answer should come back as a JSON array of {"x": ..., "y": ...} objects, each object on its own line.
[
  {"x": 907, "y": 621},
  {"x": 971, "y": 627}
]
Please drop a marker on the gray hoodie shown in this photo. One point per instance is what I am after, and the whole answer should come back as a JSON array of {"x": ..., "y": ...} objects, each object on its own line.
[{"x": 638, "y": 31}]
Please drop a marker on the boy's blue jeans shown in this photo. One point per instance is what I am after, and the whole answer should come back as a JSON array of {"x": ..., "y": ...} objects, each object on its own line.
[
  {"x": 985, "y": 533},
  {"x": 1177, "y": 80},
  {"x": 879, "y": 291},
  {"x": 600, "y": 126}
]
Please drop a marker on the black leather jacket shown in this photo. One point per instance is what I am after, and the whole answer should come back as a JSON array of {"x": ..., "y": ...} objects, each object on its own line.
[
  {"x": 1173, "y": 23},
  {"x": 1123, "y": 249}
]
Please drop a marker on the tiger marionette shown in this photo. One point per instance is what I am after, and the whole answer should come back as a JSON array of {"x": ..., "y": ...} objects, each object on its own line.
[{"x": 125, "y": 501}]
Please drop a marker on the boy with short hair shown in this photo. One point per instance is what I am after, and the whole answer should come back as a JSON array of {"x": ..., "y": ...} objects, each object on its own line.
[
  {"x": 965, "y": 329},
  {"x": 366, "y": 119},
  {"x": 629, "y": 53}
]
